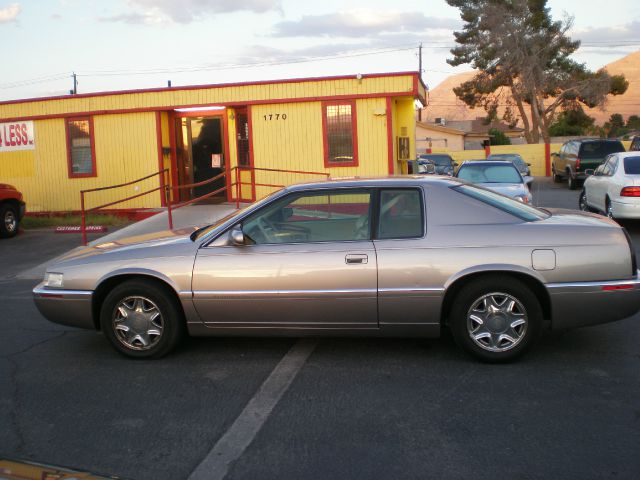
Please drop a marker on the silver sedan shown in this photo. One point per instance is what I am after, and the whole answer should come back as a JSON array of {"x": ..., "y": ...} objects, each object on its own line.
[
  {"x": 499, "y": 176},
  {"x": 400, "y": 256}
]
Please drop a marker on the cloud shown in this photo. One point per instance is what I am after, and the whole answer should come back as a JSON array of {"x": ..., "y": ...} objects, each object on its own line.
[
  {"x": 186, "y": 11},
  {"x": 10, "y": 13},
  {"x": 616, "y": 35},
  {"x": 358, "y": 23}
]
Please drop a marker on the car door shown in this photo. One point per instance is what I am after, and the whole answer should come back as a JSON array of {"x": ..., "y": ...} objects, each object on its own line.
[
  {"x": 406, "y": 298},
  {"x": 308, "y": 262},
  {"x": 603, "y": 183}
]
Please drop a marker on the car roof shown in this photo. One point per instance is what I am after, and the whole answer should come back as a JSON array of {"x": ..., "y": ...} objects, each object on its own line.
[{"x": 369, "y": 182}]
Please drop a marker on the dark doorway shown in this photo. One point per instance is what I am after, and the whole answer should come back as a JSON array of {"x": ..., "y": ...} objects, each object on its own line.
[{"x": 200, "y": 155}]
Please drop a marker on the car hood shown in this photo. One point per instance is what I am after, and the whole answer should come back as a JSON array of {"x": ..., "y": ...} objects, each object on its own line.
[{"x": 147, "y": 241}]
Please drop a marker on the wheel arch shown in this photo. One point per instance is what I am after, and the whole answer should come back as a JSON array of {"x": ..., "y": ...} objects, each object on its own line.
[
  {"x": 106, "y": 284},
  {"x": 533, "y": 282}
]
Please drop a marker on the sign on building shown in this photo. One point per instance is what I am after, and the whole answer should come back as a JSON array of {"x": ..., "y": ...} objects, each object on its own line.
[{"x": 16, "y": 136}]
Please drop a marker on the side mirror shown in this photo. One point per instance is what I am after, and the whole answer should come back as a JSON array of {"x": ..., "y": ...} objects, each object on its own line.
[
  {"x": 528, "y": 179},
  {"x": 589, "y": 171},
  {"x": 237, "y": 236},
  {"x": 455, "y": 164},
  {"x": 528, "y": 164}
]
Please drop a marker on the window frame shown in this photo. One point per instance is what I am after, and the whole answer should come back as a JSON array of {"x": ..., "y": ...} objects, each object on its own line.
[
  {"x": 94, "y": 169},
  {"x": 354, "y": 133}
]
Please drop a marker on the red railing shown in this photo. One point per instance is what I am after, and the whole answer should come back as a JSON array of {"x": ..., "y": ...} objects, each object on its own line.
[
  {"x": 84, "y": 211},
  {"x": 170, "y": 189}
]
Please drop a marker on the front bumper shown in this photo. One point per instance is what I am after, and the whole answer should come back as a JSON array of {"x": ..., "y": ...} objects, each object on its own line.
[
  {"x": 579, "y": 304},
  {"x": 67, "y": 307}
]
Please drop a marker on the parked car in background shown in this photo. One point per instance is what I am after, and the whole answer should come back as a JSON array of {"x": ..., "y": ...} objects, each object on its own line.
[
  {"x": 576, "y": 156},
  {"x": 374, "y": 257},
  {"x": 421, "y": 166},
  {"x": 635, "y": 144},
  {"x": 516, "y": 159},
  {"x": 614, "y": 187},
  {"x": 12, "y": 208},
  {"x": 501, "y": 177},
  {"x": 445, "y": 165}
]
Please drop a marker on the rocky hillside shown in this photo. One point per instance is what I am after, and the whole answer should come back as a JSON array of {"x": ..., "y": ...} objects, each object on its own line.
[{"x": 444, "y": 104}]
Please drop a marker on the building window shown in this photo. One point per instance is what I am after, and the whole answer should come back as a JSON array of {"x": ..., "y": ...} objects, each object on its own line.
[
  {"x": 340, "y": 135},
  {"x": 80, "y": 147}
]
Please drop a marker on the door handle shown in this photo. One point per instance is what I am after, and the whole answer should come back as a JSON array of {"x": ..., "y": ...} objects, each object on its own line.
[{"x": 357, "y": 258}]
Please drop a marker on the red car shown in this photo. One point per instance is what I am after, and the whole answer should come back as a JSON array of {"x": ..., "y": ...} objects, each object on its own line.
[{"x": 12, "y": 209}]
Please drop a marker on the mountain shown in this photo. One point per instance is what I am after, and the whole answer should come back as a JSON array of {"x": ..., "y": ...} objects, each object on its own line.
[{"x": 443, "y": 103}]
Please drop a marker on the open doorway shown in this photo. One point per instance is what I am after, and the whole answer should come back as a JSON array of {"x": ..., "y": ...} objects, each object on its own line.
[{"x": 200, "y": 155}]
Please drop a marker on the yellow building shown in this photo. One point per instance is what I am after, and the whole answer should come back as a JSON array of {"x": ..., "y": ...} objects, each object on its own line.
[{"x": 52, "y": 148}]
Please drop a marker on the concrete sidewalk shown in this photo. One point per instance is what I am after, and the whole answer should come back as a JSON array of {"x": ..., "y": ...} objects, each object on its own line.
[{"x": 189, "y": 216}]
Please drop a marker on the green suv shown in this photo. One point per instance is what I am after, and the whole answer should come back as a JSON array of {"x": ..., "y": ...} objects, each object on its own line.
[{"x": 576, "y": 156}]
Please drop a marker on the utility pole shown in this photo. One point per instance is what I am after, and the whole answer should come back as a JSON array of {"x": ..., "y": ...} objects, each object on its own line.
[
  {"x": 420, "y": 74},
  {"x": 75, "y": 83}
]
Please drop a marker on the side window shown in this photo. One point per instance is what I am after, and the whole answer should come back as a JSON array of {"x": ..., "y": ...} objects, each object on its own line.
[
  {"x": 635, "y": 144},
  {"x": 340, "y": 215},
  {"x": 80, "y": 147},
  {"x": 613, "y": 165},
  {"x": 401, "y": 214},
  {"x": 340, "y": 134}
]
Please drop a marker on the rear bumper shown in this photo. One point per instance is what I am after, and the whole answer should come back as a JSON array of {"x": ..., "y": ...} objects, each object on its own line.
[
  {"x": 626, "y": 209},
  {"x": 66, "y": 307},
  {"x": 581, "y": 304}
]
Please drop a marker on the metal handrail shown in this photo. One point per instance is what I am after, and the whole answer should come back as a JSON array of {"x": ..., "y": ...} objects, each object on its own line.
[{"x": 83, "y": 210}]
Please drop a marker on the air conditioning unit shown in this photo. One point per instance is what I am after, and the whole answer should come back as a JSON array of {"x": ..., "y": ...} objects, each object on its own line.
[{"x": 440, "y": 121}]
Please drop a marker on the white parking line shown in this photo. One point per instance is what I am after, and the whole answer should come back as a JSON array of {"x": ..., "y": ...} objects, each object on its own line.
[{"x": 240, "y": 435}]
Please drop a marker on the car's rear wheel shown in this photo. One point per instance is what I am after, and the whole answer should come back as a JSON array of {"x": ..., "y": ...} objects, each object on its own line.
[
  {"x": 573, "y": 182},
  {"x": 142, "y": 319},
  {"x": 496, "y": 319},
  {"x": 582, "y": 202},
  {"x": 8, "y": 221},
  {"x": 556, "y": 178}
]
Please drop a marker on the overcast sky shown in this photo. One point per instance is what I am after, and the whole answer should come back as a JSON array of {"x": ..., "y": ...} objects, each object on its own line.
[{"x": 123, "y": 44}]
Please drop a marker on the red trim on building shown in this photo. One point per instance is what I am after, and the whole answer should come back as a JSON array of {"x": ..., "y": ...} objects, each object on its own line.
[
  {"x": 354, "y": 134},
  {"x": 390, "y": 136},
  {"x": 196, "y": 105},
  {"x": 547, "y": 160},
  {"x": 208, "y": 86},
  {"x": 227, "y": 154},
  {"x": 251, "y": 156},
  {"x": 160, "y": 157},
  {"x": 92, "y": 141},
  {"x": 174, "y": 155}
]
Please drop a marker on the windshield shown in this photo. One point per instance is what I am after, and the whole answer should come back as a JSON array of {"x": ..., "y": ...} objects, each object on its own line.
[
  {"x": 632, "y": 165},
  {"x": 440, "y": 160},
  {"x": 521, "y": 210},
  {"x": 599, "y": 149},
  {"x": 486, "y": 173},
  {"x": 209, "y": 228}
]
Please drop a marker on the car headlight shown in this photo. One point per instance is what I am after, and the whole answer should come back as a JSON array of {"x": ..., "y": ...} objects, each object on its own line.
[{"x": 53, "y": 280}]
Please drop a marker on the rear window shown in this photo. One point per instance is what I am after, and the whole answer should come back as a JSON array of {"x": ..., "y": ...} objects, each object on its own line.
[
  {"x": 489, "y": 174},
  {"x": 440, "y": 160},
  {"x": 632, "y": 165},
  {"x": 506, "y": 204},
  {"x": 599, "y": 149}
]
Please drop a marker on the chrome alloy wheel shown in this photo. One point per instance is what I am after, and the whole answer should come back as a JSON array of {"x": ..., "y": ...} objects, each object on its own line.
[
  {"x": 497, "y": 322},
  {"x": 137, "y": 323},
  {"x": 10, "y": 221}
]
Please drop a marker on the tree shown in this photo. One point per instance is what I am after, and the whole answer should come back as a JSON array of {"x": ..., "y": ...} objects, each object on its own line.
[
  {"x": 572, "y": 122},
  {"x": 633, "y": 122},
  {"x": 496, "y": 137},
  {"x": 615, "y": 127},
  {"x": 523, "y": 58}
]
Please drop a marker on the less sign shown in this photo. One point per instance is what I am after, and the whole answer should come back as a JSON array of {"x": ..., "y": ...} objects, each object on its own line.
[{"x": 16, "y": 136}]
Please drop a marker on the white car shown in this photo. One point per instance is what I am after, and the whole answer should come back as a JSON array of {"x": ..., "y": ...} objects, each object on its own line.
[{"x": 614, "y": 187}]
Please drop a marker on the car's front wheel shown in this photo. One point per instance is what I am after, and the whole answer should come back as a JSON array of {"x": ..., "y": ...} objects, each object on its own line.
[
  {"x": 496, "y": 318},
  {"x": 582, "y": 202},
  {"x": 8, "y": 221},
  {"x": 142, "y": 319}
]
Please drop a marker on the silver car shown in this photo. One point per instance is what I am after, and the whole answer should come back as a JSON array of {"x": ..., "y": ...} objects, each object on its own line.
[
  {"x": 500, "y": 176},
  {"x": 399, "y": 256}
]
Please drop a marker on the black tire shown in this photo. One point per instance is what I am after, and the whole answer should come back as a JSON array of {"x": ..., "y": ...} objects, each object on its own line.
[
  {"x": 500, "y": 286},
  {"x": 582, "y": 202},
  {"x": 573, "y": 182},
  {"x": 171, "y": 318},
  {"x": 608, "y": 210},
  {"x": 9, "y": 222},
  {"x": 556, "y": 178}
]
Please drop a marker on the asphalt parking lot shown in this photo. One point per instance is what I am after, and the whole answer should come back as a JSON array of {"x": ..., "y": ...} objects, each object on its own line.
[{"x": 354, "y": 408}]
